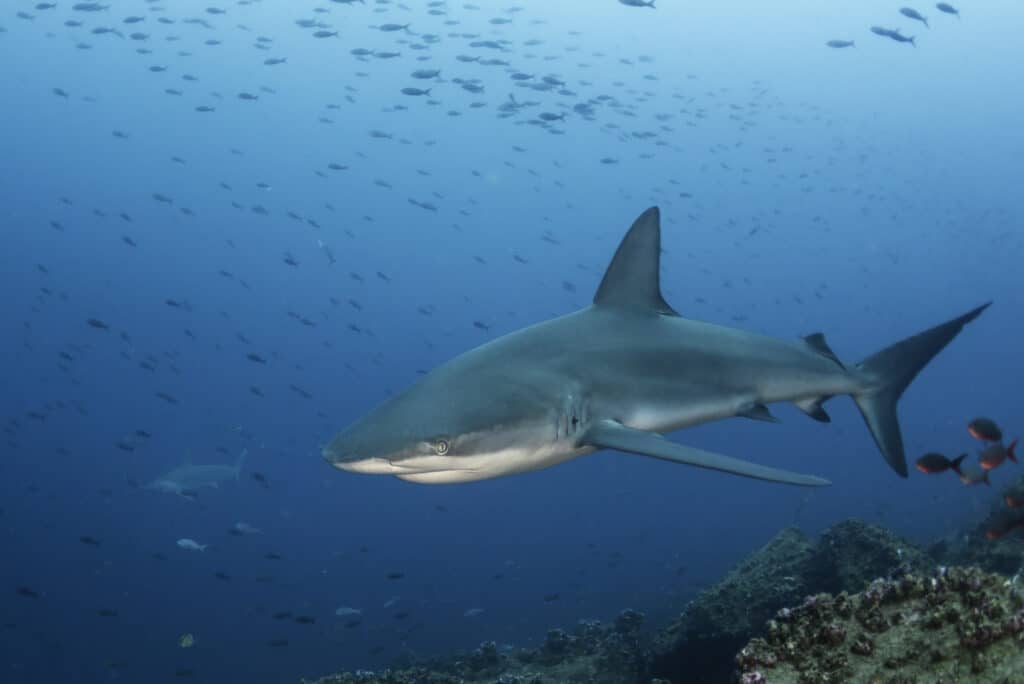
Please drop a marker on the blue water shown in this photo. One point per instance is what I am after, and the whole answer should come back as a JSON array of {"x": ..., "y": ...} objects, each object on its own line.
[{"x": 867, "y": 192}]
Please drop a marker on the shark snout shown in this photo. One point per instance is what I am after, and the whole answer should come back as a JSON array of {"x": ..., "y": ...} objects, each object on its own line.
[
  {"x": 345, "y": 459},
  {"x": 335, "y": 456}
]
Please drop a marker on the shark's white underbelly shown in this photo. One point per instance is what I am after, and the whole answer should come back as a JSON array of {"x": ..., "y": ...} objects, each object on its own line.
[{"x": 447, "y": 470}]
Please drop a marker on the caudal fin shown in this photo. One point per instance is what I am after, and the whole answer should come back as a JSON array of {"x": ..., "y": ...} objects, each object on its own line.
[{"x": 892, "y": 370}]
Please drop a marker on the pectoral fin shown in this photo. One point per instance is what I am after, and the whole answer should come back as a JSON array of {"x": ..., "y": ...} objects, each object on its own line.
[{"x": 608, "y": 434}]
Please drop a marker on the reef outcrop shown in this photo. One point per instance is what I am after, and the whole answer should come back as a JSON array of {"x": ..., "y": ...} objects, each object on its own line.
[
  {"x": 724, "y": 617},
  {"x": 791, "y": 566}
]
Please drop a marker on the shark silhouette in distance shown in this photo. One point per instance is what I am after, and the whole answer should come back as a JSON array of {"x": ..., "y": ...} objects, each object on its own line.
[
  {"x": 187, "y": 479},
  {"x": 614, "y": 376}
]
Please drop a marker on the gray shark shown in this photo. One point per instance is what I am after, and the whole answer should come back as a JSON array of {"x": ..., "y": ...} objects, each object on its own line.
[
  {"x": 616, "y": 375},
  {"x": 187, "y": 479}
]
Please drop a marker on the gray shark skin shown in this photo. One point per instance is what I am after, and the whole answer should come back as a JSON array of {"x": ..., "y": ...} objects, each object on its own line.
[
  {"x": 614, "y": 376},
  {"x": 186, "y": 480}
]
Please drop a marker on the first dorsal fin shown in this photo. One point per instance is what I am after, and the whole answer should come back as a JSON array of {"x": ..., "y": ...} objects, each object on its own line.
[{"x": 632, "y": 280}]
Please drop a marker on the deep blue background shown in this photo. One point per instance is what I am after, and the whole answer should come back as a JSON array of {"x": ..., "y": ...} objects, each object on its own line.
[{"x": 867, "y": 193}]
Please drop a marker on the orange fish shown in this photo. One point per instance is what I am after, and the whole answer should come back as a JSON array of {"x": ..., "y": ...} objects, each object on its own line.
[
  {"x": 1000, "y": 529},
  {"x": 984, "y": 429},
  {"x": 993, "y": 456},
  {"x": 1014, "y": 499},
  {"x": 973, "y": 477},
  {"x": 937, "y": 463}
]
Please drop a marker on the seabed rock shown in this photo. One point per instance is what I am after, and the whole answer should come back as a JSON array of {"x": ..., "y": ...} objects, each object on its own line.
[
  {"x": 851, "y": 554},
  {"x": 958, "y": 625},
  {"x": 723, "y": 618},
  {"x": 592, "y": 653}
]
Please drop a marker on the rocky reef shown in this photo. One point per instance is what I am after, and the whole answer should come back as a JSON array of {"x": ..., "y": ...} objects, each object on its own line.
[
  {"x": 958, "y": 625},
  {"x": 859, "y": 604}
]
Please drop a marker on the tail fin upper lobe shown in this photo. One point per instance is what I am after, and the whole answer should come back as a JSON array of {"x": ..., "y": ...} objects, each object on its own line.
[{"x": 894, "y": 368}]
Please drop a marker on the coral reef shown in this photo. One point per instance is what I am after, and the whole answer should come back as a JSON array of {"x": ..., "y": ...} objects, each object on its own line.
[{"x": 959, "y": 625}]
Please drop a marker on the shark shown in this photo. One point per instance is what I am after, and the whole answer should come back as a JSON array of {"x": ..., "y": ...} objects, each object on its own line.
[
  {"x": 619, "y": 374},
  {"x": 187, "y": 479}
]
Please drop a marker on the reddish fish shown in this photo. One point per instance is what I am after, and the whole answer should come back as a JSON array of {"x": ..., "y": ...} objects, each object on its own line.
[
  {"x": 993, "y": 456},
  {"x": 937, "y": 463},
  {"x": 985, "y": 429},
  {"x": 1014, "y": 498},
  {"x": 1003, "y": 527},
  {"x": 973, "y": 477}
]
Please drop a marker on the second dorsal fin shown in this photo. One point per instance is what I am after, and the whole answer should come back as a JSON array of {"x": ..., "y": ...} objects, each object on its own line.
[{"x": 816, "y": 341}]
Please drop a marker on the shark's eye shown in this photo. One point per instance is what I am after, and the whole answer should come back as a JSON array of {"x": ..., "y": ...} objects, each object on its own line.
[{"x": 441, "y": 446}]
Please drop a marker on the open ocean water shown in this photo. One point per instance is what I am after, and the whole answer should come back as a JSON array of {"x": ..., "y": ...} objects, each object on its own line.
[{"x": 237, "y": 227}]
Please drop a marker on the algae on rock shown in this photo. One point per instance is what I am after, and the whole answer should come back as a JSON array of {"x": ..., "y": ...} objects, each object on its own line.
[{"x": 960, "y": 625}]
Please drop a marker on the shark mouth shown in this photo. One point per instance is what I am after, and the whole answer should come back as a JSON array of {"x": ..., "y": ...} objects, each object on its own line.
[{"x": 383, "y": 466}]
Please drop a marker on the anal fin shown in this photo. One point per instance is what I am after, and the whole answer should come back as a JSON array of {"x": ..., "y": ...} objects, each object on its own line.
[{"x": 813, "y": 408}]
